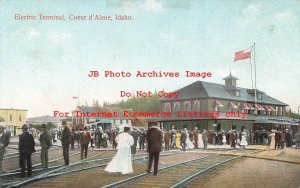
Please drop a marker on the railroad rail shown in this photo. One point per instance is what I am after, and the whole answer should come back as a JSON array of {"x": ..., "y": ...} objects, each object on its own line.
[
  {"x": 82, "y": 165},
  {"x": 178, "y": 174},
  {"x": 16, "y": 154},
  {"x": 11, "y": 177},
  {"x": 88, "y": 164}
]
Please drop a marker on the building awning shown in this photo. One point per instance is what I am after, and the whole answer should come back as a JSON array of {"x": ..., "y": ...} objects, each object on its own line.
[
  {"x": 280, "y": 120},
  {"x": 272, "y": 121},
  {"x": 233, "y": 105},
  {"x": 268, "y": 108},
  {"x": 272, "y": 108},
  {"x": 103, "y": 121},
  {"x": 219, "y": 104},
  {"x": 260, "y": 107},
  {"x": 248, "y": 106}
]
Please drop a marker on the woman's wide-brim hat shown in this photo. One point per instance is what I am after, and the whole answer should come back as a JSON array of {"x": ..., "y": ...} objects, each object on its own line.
[{"x": 121, "y": 127}]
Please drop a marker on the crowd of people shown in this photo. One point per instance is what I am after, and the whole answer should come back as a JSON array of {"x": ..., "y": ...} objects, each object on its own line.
[{"x": 129, "y": 140}]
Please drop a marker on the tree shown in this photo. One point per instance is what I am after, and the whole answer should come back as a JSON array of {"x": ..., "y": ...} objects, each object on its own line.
[
  {"x": 145, "y": 104},
  {"x": 50, "y": 126},
  {"x": 96, "y": 103}
]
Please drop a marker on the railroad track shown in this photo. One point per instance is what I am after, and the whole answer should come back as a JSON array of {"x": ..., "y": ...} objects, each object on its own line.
[
  {"x": 11, "y": 177},
  {"x": 179, "y": 174},
  {"x": 83, "y": 165},
  {"x": 37, "y": 167},
  {"x": 38, "y": 151}
]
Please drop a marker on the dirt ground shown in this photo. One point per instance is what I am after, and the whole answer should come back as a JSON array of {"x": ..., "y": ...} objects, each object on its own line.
[{"x": 251, "y": 172}]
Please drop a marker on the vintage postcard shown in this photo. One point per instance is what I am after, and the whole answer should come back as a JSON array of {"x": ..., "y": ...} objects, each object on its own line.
[{"x": 149, "y": 93}]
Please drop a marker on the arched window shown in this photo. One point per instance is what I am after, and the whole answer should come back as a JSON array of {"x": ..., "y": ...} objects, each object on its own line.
[
  {"x": 187, "y": 106},
  {"x": 167, "y": 107},
  {"x": 177, "y": 107}
]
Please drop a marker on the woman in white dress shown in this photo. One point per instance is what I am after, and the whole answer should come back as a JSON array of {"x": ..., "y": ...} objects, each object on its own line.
[
  {"x": 244, "y": 142},
  {"x": 122, "y": 160},
  {"x": 188, "y": 142},
  {"x": 223, "y": 138},
  {"x": 200, "y": 141},
  {"x": 272, "y": 137}
]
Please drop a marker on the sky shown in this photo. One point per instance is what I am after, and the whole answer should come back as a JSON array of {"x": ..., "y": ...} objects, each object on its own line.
[{"x": 44, "y": 63}]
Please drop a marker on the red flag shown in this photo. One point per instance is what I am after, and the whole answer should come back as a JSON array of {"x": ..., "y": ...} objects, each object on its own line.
[{"x": 244, "y": 54}]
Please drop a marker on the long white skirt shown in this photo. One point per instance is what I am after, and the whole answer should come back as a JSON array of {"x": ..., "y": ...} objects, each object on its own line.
[
  {"x": 121, "y": 162},
  {"x": 244, "y": 142},
  {"x": 224, "y": 139},
  {"x": 200, "y": 141},
  {"x": 189, "y": 144}
]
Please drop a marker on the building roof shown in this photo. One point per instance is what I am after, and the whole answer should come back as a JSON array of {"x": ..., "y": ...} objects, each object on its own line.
[
  {"x": 13, "y": 109},
  {"x": 230, "y": 77},
  {"x": 44, "y": 119},
  {"x": 250, "y": 117},
  {"x": 119, "y": 111},
  {"x": 200, "y": 89}
]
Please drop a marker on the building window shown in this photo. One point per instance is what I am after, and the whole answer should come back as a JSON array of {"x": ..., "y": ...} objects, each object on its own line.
[
  {"x": 20, "y": 118},
  {"x": 114, "y": 121},
  {"x": 237, "y": 93},
  {"x": 126, "y": 121},
  {"x": 196, "y": 106},
  {"x": 177, "y": 107},
  {"x": 188, "y": 107},
  {"x": 259, "y": 95},
  {"x": 121, "y": 121},
  {"x": 10, "y": 117},
  {"x": 167, "y": 107}
]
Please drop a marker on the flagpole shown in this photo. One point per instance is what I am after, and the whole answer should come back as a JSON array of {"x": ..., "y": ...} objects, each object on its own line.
[
  {"x": 255, "y": 112},
  {"x": 251, "y": 67}
]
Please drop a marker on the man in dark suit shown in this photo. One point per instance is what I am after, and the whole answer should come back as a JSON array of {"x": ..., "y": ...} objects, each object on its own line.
[
  {"x": 4, "y": 141},
  {"x": 26, "y": 148},
  {"x": 85, "y": 138},
  {"x": 142, "y": 139},
  {"x": 172, "y": 135},
  {"x": 154, "y": 139},
  {"x": 167, "y": 140},
  {"x": 277, "y": 139},
  {"x": 195, "y": 137},
  {"x": 134, "y": 134},
  {"x": 183, "y": 138},
  {"x": 205, "y": 138},
  {"x": 65, "y": 142},
  {"x": 233, "y": 137}
]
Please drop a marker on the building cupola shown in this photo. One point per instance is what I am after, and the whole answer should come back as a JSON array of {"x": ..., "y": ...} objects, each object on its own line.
[
  {"x": 230, "y": 81},
  {"x": 230, "y": 85}
]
